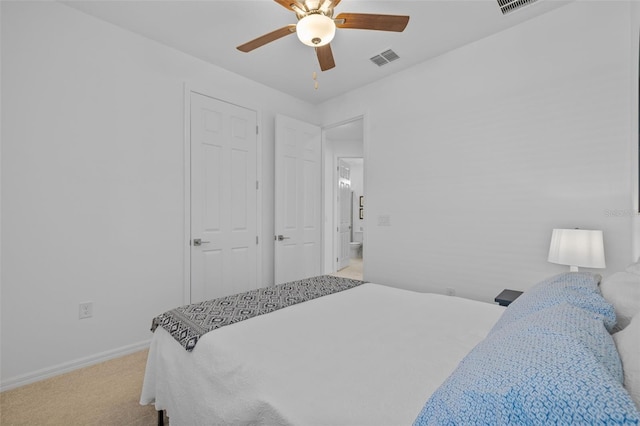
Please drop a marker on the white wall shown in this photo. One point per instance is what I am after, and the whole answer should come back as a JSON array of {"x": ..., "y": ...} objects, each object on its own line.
[
  {"x": 497, "y": 143},
  {"x": 93, "y": 183},
  {"x": 635, "y": 128}
]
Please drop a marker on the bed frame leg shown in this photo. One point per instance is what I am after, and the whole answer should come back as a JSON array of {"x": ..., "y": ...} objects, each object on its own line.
[{"x": 160, "y": 418}]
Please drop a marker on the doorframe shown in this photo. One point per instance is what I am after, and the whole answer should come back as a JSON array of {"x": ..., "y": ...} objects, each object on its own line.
[
  {"x": 330, "y": 239},
  {"x": 188, "y": 89}
]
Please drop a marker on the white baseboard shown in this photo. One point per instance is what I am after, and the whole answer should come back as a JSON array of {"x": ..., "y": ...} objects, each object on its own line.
[{"x": 66, "y": 367}]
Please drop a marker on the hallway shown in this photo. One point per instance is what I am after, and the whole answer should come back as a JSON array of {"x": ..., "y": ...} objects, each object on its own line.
[{"x": 353, "y": 271}]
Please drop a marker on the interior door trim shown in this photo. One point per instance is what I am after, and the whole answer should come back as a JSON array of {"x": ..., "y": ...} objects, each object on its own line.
[{"x": 186, "y": 160}]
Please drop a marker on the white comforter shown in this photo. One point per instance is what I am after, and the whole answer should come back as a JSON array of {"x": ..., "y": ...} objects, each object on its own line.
[{"x": 371, "y": 355}]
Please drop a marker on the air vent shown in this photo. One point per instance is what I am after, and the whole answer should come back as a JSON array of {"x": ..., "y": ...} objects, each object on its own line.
[
  {"x": 384, "y": 57},
  {"x": 508, "y": 6}
]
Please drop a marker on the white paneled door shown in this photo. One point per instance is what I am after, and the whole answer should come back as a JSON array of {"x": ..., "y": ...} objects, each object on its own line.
[
  {"x": 297, "y": 200},
  {"x": 344, "y": 213},
  {"x": 223, "y": 198}
]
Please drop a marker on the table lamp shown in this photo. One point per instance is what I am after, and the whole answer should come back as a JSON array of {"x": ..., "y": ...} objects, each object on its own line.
[{"x": 577, "y": 247}]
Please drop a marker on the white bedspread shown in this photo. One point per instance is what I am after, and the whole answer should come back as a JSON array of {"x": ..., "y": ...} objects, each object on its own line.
[{"x": 371, "y": 355}]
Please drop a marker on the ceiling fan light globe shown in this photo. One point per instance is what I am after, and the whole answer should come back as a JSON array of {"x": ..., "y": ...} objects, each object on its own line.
[{"x": 316, "y": 30}]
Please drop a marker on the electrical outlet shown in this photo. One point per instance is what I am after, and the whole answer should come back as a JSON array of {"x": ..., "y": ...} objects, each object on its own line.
[
  {"x": 451, "y": 291},
  {"x": 85, "y": 310}
]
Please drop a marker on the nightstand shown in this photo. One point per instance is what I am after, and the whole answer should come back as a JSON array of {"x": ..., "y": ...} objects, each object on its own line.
[{"x": 507, "y": 296}]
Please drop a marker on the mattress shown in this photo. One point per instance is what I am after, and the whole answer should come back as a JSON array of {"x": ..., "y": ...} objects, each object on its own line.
[{"x": 371, "y": 355}]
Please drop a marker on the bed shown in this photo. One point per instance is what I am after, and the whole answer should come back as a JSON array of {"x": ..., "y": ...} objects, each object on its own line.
[{"x": 368, "y": 354}]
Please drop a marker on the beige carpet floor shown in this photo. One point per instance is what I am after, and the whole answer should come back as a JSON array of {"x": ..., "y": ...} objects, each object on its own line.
[
  {"x": 353, "y": 271},
  {"x": 102, "y": 394}
]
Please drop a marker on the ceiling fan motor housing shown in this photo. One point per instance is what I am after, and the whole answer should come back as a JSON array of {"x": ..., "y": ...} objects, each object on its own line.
[{"x": 305, "y": 8}]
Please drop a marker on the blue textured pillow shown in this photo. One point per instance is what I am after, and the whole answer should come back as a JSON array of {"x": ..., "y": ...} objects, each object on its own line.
[
  {"x": 579, "y": 289},
  {"x": 556, "y": 366}
]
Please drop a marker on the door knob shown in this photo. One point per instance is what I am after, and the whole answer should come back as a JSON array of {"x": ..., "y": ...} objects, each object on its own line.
[
  {"x": 281, "y": 237},
  {"x": 197, "y": 242}
]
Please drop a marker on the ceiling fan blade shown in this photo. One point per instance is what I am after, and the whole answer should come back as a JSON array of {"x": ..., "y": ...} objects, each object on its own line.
[
  {"x": 267, "y": 38},
  {"x": 325, "y": 57},
  {"x": 368, "y": 21}
]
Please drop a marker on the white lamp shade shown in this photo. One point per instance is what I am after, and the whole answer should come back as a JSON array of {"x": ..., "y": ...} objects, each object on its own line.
[
  {"x": 577, "y": 247},
  {"x": 316, "y": 30}
]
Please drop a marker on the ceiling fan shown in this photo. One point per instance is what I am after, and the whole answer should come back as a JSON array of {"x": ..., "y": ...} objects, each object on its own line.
[{"x": 316, "y": 26}]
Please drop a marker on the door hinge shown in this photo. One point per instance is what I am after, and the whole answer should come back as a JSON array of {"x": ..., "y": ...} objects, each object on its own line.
[
  {"x": 256, "y": 129},
  {"x": 256, "y": 240},
  {"x": 337, "y": 260},
  {"x": 257, "y": 185}
]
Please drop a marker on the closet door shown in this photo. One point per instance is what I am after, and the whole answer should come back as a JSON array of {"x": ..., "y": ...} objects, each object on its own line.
[{"x": 223, "y": 198}]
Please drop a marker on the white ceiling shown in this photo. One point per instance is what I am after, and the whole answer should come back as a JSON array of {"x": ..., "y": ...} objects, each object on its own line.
[{"x": 211, "y": 29}]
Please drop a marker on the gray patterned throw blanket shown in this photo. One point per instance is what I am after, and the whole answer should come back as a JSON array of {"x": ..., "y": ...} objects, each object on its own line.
[{"x": 188, "y": 323}]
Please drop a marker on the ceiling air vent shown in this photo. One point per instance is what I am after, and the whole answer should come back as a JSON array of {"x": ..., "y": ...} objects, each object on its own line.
[
  {"x": 384, "y": 57},
  {"x": 508, "y": 6}
]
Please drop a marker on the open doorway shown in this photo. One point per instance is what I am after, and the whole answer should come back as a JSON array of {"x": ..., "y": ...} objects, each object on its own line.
[
  {"x": 344, "y": 199},
  {"x": 350, "y": 217}
]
